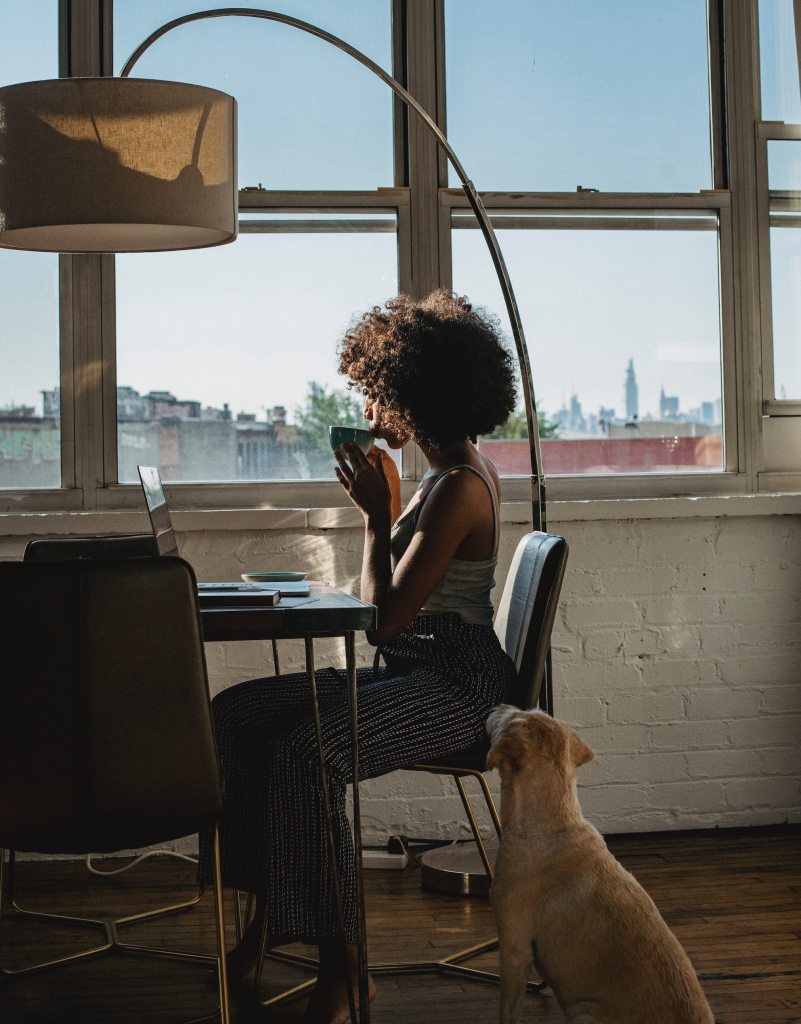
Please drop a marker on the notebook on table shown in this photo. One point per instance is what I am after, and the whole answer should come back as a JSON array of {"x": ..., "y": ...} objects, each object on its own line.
[{"x": 209, "y": 594}]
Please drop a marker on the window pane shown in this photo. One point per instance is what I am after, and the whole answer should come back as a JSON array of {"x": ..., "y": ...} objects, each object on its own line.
[
  {"x": 30, "y": 447},
  {"x": 785, "y": 261},
  {"x": 546, "y": 96},
  {"x": 784, "y": 176},
  {"x": 309, "y": 115},
  {"x": 226, "y": 364},
  {"x": 781, "y": 98},
  {"x": 784, "y": 165},
  {"x": 622, "y": 317}
]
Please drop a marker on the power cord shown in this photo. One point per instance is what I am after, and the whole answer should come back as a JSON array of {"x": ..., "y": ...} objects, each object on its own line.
[{"x": 137, "y": 860}]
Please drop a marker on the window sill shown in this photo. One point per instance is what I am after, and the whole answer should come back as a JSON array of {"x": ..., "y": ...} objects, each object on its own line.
[{"x": 33, "y": 524}]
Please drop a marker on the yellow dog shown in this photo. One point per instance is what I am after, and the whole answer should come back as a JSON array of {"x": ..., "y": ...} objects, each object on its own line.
[{"x": 564, "y": 904}]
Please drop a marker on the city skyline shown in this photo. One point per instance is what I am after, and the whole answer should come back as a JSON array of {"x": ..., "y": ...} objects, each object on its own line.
[{"x": 570, "y": 416}]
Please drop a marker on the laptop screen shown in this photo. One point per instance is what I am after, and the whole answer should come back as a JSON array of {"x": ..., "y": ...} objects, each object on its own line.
[{"x": 160, "y": 518}]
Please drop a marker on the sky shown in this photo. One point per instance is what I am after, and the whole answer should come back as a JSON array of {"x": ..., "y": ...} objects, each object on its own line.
[{"x": 540, "y": 98}]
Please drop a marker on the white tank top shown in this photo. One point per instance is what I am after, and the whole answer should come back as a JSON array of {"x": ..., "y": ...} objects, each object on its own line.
[{"x": 465, "y": 588}]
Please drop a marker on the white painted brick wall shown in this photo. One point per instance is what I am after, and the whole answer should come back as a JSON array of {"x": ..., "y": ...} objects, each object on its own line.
[{"x": 677, "y": 656}]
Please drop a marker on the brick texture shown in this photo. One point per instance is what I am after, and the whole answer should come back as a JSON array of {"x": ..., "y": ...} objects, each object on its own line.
[{"x": 677, "y": 655}]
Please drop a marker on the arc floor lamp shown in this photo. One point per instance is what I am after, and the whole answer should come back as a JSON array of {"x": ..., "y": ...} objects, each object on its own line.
[
  {"x": 134, "y": 165},
  {"x": 104, "y": 165}
]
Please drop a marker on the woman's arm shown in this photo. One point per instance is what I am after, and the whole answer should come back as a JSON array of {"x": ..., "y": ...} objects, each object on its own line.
[
  {"x": 451, "y": 512},
  {"x": 392, "y": 476}
]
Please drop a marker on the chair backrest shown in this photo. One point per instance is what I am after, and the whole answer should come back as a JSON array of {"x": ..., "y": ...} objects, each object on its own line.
[
  {"x": 106, "y": 740},
  {"x": 63, "y": 549},
  {"x": 527, "y": 608}
]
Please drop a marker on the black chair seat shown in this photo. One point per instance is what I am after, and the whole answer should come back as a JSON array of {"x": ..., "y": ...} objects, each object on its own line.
[{"x": 474, "y": 759}]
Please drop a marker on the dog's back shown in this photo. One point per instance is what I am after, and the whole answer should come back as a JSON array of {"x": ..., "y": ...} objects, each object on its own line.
[
  {"x": 563, "y": 903},
  {"x": 601, "y": 943}
]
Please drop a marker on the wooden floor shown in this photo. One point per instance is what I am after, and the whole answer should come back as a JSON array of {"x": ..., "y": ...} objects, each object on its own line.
[{"x": 732, "y": 897}]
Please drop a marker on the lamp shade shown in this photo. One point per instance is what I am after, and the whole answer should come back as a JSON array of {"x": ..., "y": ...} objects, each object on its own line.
[{"x": 116, "y": 165}]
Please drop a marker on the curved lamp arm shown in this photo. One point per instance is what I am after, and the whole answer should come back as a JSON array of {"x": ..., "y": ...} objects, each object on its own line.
[{"x": 537, "y": 480}]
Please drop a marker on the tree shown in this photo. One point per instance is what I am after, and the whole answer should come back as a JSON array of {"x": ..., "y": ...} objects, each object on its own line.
[
  {"x": 516, "y": 427},
  {"x": 321, "y": 409}
]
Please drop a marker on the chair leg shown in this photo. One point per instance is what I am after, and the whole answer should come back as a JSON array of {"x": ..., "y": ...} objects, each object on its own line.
[
  {"x": 223, "y": 1011},
  {"x": 474, "y": 827},
  {"x": 108, "y": 926},
  {"x": 219, "y": 923},
  {"x": 453, "y": 964},
  {"x": 7, "y": 896}
]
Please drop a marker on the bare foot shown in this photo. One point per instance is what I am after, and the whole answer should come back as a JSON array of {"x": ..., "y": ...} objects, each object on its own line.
[
  {"x": 243, "y": 958},
  {"x": 329, "y": 1000}
]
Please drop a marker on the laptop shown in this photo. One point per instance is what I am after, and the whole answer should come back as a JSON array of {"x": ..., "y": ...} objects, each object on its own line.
[{"x": 209, "y": 594}]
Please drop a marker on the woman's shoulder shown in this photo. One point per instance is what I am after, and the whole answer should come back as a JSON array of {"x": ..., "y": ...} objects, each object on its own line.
[
  {"x": 464, "y": 483},
  {"x": 478, "y": 473}
]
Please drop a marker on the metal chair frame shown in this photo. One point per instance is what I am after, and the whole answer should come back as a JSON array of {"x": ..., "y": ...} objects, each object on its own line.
[{"x": 113, "y": 942}]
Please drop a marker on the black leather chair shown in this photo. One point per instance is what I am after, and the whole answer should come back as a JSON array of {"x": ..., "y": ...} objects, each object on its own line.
[
  {"x": 64, "y": 549},
  {"x": 103, "y": 548},
  {"x": 106, "y": 740},
  {"x": 523, "y": 622}
]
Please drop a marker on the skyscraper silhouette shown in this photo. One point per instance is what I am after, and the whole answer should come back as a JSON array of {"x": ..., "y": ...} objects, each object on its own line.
[{"x": 632, "y": 400}]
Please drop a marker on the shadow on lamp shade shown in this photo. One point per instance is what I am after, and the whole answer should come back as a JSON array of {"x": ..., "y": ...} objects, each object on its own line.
[{"x": 116, "y": 165}]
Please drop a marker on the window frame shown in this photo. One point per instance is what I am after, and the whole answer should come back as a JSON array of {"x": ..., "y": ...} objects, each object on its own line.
[
  {"x": 282, "y": 493},
  {"x": 584, "y": 207},
  {"x": 768, "y": 202},
  {"x": 423, "y": 203}
]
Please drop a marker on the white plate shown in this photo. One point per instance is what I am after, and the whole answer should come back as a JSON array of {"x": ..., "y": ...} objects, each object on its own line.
[{"x": 274, "y": 577}]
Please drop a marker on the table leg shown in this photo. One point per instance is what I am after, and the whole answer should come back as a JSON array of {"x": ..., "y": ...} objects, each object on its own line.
[
  {"x": 350, "y": 664},
  {"x": 332, "y": 844}
]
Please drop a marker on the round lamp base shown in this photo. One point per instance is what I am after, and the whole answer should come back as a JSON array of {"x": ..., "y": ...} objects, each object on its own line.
[{"x": 457, "y": 870}]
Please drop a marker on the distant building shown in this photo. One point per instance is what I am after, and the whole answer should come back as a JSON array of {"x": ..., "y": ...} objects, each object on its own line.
[
  {"x": 632, "y": 400},
  {"x": 668, "y": 406}
]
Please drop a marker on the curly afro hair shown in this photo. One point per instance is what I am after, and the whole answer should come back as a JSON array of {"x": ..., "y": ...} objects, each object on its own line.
[{"x": 439, "y": 367}]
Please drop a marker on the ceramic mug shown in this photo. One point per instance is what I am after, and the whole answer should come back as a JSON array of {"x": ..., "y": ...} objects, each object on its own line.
[{"x": 350, "y": 435}]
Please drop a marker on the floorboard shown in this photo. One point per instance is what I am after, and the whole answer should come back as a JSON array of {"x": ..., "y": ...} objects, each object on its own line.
[{"x": 733, "y": 898}]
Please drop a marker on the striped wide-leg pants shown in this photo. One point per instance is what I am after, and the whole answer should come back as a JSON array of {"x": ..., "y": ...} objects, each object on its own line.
[{"x": 442, "y": 679}]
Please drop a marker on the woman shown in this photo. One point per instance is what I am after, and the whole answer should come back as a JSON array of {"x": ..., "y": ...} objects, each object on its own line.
[{"x": 434, "y": 372}]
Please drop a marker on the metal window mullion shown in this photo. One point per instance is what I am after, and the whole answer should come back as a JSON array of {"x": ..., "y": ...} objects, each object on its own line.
[
  {"x": 717, "y": 95},
  {"x": 320, "y": 201},
  {"x": 423, "y": 59},
  {"x": 93, "y": 377},
  {"x": 83, "y": 33},
  {"x": 423, "y": 149},
  {"x": 317, "y": 227},
  {"x": 67, "y": 414},
  {"x": 731, "y": 422},
  {"x": 527, "y": 222},
  {"x": 778, "y": 131},
  {"x": 596, "y": 202},
  {"x": 740, "y": 28},
  {"x": 400, "y": 112}
]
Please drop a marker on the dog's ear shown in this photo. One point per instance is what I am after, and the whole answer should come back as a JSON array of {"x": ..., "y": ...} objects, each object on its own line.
[
  {"x": 494, "y": 757},
  {"x": 500, "y": 754},
  {"x": 579, "y": 752},
  {"x": 508, "y": 746}
]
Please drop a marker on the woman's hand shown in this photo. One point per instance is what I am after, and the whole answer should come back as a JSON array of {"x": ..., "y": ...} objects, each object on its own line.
[
  {"x": 376, "y": 455},
  {"x": 365, "y": 483}
]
